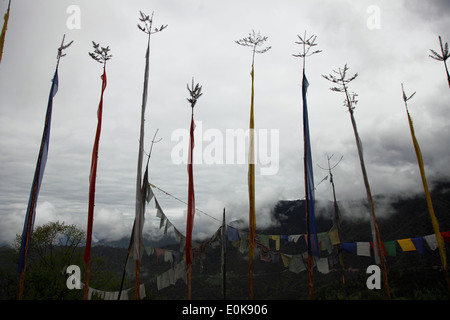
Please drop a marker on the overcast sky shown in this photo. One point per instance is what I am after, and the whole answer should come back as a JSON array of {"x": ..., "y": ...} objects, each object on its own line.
[{"x": 386, "y": 42}]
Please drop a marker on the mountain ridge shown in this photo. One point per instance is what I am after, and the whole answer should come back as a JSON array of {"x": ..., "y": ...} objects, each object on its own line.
[{"x": 403, "y": 216}]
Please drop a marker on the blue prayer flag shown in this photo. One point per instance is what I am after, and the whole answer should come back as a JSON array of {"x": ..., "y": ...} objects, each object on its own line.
[
  {"x": 349, "y": 247},
  {"x": 38, "y": 175},
  {"x": 313, "y": 244},
  {"x": 419, "y": 244}
]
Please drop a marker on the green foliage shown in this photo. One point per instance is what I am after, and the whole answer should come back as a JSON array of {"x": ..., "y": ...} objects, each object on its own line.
[
  {"x": 54, "y": 246},
  {"x": 411, "y": 275}
]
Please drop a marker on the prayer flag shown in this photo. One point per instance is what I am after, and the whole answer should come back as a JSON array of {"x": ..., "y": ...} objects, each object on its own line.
[
  {"x": 363, "y": 249},
  {"x": 418, "y": 243},
  {"x": 38, "y": 175},
  {"x": 333, "y": 234},
  {"x": 382, "y": 247},
  {"x": 140, "y": 185},
  {"x": 276, "y": 238},
  {"x": 350, "y": 247},
  {"x": 232, "y": 234},
  {"x": 323, "y": 265},
  {"x": 296, "y": 264},
  {"x": 3, "y": 34},
  {"x": 251, "y": 191},
  {"x": 406, "y": 244},
  {"x": 434, "y": 222},
  {"x": 313, "y": 244},
  {"x": 446, "y": 236},
  {"x": 431, "y": 241},
  {"x": 146, "y": 196},
  {"x": 390, "y": 249},
  {"x": 191, "y": 196},
  {"x": 251, "y": 178},
  {"x": 93, "y": 173}
]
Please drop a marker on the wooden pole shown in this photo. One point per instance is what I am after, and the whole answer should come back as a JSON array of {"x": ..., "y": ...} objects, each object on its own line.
[
  {"x": 377, "y": 241},
  {"x": 251, "y": 189},
  {"x": 190, "y": 282},
  {"x": 224, "y": 258},
  {"x": 86, "y": 282},
  {"x": 308, "y": 234},
  {"x": 308, "y": 231},
  {"x": 434, "y": 222},
  {"x": 337, "y": 223}
]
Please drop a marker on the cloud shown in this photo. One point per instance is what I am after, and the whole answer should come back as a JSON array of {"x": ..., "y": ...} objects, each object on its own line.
[
  {"x": 111, "y": 225},
  {"x": 199, "y": 43}
]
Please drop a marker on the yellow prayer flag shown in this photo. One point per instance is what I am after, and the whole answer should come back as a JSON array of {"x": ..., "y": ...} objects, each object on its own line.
[
  {"x": 286, "y": 259},
  {"x": 434, "y": 221},
  {"x": 407, "y": 244},
  {"x": 277, "y": 241},
  {"x": 3, "y": 34},
  {"x": 334, "y": 236}
]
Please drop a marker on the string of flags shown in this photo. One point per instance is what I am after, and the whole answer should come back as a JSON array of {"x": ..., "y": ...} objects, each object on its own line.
[
  {"x": 326, "y": 240},
  {"x": 390, "y": 248},
  {"x": 268, "y": 248},
  {"x": 295, "y": 263}
]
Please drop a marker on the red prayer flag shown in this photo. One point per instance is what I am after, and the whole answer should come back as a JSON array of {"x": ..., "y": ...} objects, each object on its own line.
[
  {"x": 383, "y": 247},
  {"x": 446, "y": 236},
  {"x": 191, "y": 197},
  {"x": 93, "y": 174}
]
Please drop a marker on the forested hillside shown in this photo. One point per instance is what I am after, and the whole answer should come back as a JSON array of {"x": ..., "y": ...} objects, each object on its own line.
[{"x": 411, "y": 275}]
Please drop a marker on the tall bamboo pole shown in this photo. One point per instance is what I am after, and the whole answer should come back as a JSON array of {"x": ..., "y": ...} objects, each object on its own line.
[
  {"x": 3, "y": 32},
  {"x": 253, "y": 41},
  {"x": 195, "y": 93},
  {"x": 434, "y": 222},
  {"x": 147, "y": 28},
  {"x": 38, "y": 175},
  {"x": 224, "y": 257},
  {"x": 311, "y": 234},
  {"x": 350, "y": 102},
  {"x": 100, "y": 55},
  {"x": 336, "y": 221}
]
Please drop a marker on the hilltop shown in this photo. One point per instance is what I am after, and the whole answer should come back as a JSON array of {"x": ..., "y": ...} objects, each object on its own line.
[
  {"x": 405, "y": 218},
  {"x": 411, "y": 275}
]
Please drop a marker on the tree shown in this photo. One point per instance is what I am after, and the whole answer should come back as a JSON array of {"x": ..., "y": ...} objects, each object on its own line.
[{"x": 53, "y": 248}]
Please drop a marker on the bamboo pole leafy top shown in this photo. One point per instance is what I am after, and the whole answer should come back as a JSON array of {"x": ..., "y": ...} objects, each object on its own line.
[
  {"x": 195, "y": 93},
  {"x": 148, "y": 22},
  {"x": 308, "y": 44},
  {"x": 445, "y": 54},
  {"x": 253, "y": 41},
  {"x": 60, "y": 50},
  {"x": 100, "y": 54},
  {"x": 405, "y": 97},
  {"x": 340, "y": 78}
]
